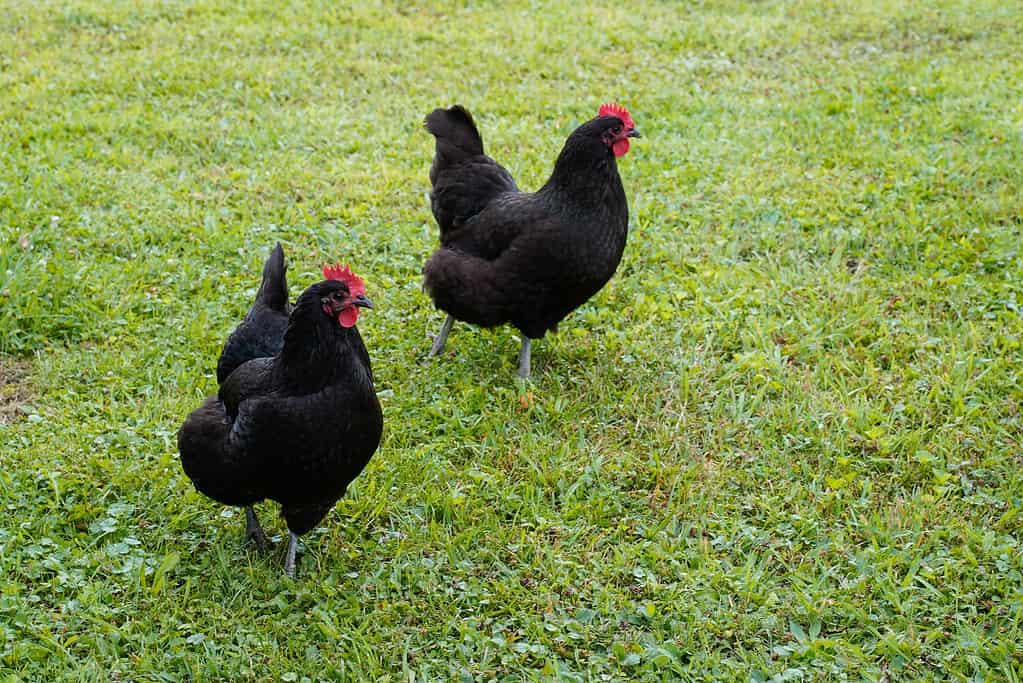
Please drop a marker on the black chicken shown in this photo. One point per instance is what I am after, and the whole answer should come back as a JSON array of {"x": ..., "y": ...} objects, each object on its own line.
[
  {"x": 261, "y": 333},
  {"x": 525, "y": 258},
  {"x": 296, "y": 428}
]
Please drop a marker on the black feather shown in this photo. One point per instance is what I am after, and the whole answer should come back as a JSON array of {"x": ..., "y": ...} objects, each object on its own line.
[
  {"x": 464, "y": 179},
  {"x": 261, "y": 333},
  {"x": 458, "y": 139}
]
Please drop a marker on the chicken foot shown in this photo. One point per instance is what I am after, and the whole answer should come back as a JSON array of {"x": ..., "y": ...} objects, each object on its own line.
[
  {"x": 524, "y": 357},
  {"x": 254, "y": 532},
  {"x": 289, "y": 559},
  {"x": 442, "y": 336}
]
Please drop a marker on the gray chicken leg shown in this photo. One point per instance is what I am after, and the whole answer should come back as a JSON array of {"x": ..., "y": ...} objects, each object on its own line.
[
  {"x": 442, "y": 336},
  {"x": 289, "y": 559},
  {"x": 254, "y": 532},
  {"x": 524, "y": 357}
]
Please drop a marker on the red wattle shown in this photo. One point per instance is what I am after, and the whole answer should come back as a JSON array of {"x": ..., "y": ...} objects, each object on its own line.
[
  {"x": 348, "y": 316},
  {"x": 620, "y": 147}
]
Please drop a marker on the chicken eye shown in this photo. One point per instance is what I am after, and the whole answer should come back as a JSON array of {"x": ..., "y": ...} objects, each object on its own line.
[
  {"x": 338, "y": 294},
  {"x": 616, "y": 130}
]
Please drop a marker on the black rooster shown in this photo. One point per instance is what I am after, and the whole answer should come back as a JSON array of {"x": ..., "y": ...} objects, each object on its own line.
[
  {"x": 296, "y": 428},
  {"x": 525, "y": 258}
]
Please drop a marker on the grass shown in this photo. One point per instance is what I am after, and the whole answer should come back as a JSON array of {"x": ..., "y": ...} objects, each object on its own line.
[{"x": 783, "y": 444}]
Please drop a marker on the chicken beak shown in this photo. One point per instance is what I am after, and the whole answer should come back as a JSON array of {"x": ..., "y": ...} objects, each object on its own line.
[
  {"x": 633, "y": 133},
  {"x": 363, "y": 301}
]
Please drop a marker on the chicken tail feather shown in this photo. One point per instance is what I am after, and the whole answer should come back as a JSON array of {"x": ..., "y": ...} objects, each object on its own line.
[
  {"x": 273, "y": 290},
  {"x": 457, "y": 137}
]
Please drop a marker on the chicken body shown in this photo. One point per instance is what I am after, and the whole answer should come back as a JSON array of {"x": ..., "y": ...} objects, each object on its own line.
[
  {"x": 296, "y": 428},
  {"x": 528, "y": 259}
]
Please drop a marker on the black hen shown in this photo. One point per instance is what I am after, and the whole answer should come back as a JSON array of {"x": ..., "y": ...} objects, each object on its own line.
[
  {"x": 296, "y": 428},
  {"x": 261, "y": 333},
  {"x": 528, "y": 259}
]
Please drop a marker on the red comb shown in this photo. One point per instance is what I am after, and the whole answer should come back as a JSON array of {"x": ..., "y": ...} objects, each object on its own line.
[
  {"x": 615, "y": 109},
  {"x": 345, "y": 275}
]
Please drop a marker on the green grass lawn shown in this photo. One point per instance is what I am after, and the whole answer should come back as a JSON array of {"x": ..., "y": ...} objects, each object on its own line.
[{"x": 784, "y": 443}]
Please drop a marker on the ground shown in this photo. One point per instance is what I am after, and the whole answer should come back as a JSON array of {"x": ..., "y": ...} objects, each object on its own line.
[{"x": 784, "y": 443}]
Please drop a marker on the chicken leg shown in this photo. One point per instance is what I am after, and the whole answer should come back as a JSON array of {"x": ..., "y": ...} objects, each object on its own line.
[
  {"x": 254, "y": 532},
  {"x": 289, "y": 559},
  {"x": 442, "y": 336},
  {"x": 524, "y": 357}
]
